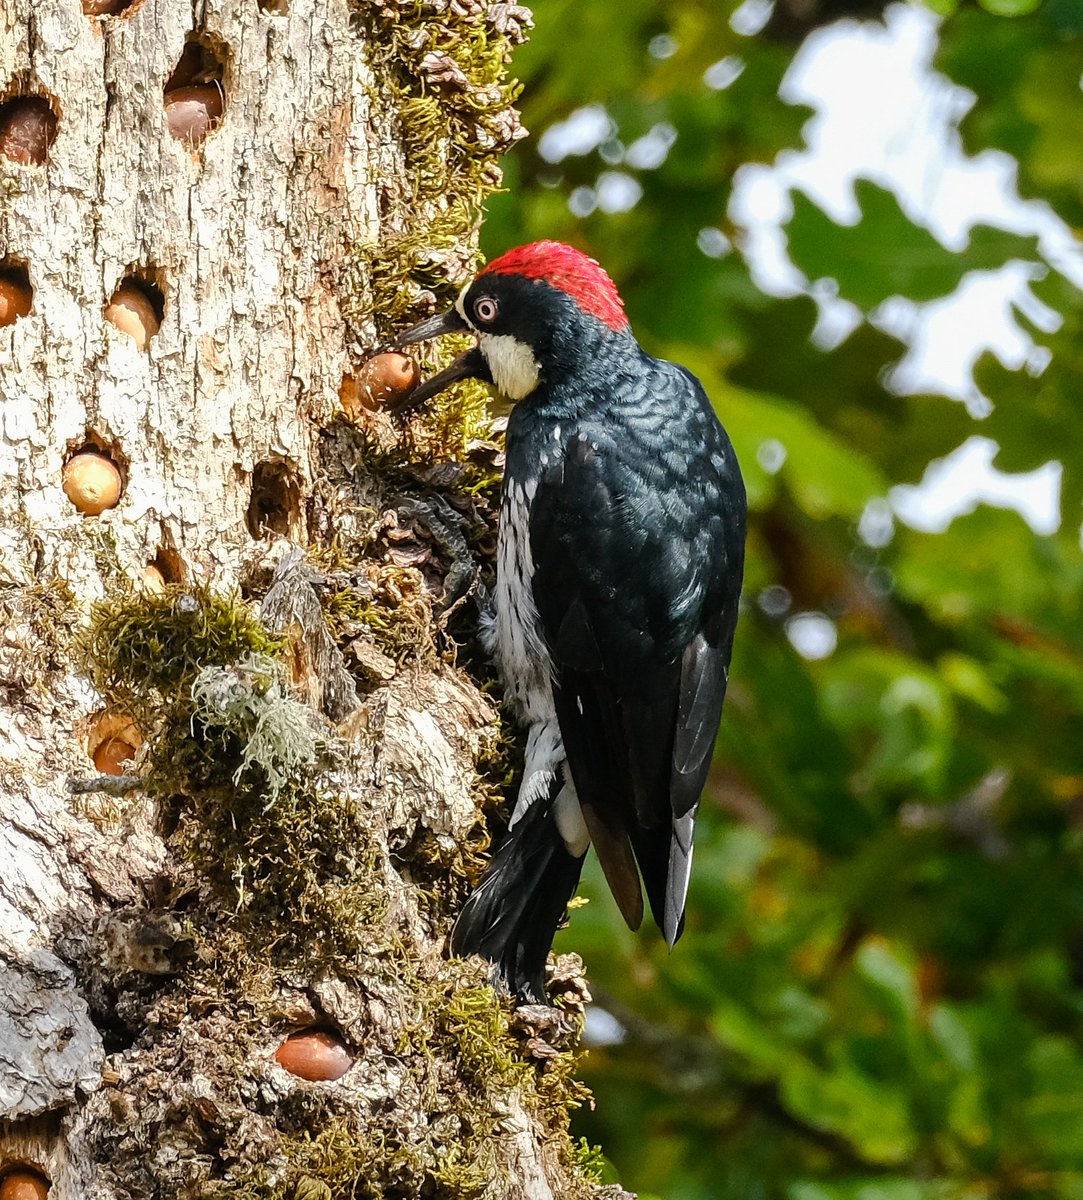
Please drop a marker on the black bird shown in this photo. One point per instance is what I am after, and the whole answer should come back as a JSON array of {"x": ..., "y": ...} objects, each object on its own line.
[{"x": 619, "y": 563}]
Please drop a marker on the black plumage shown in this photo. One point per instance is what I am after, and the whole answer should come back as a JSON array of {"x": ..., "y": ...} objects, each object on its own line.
[
  {"x": 637, "y": 532},
  {"x": 513, "y": 926},
  {"x": 623, "y": 529}
]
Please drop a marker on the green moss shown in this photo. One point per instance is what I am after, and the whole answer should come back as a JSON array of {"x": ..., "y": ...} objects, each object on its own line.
[
  {"x": 397, "y": 610},
  {"x": 470, "y": 1025},
  {"x": 464, "y": 1171},
  {"x": 294, "y": 865},
  {"x": 351, "y": 1159},
  {"x": 453, "y": 124},
  {"x": 386, "y": 279},
  {"x": 140, "y": 648},
  {"x": 302, "y": 881},
  {"x": 467, "y": 1023},
  {"x": 196, "y": 672},
  {"x": 589, "y": 1160},
  {"x": 444, "y": 75}
]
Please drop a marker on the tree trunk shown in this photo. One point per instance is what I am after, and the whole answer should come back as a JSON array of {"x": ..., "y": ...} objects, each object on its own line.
[{"x": 290, "y": 774}]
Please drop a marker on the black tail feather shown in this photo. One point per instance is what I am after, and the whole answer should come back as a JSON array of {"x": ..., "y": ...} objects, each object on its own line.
[
  {"x": 652, "y": 856},
  {"x": 513, "y": 914}
]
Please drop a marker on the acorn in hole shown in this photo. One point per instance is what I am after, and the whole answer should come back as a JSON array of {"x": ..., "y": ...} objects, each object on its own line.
[
  {"x": 314, "y": 1054},
  {"x": 24, "y": 1184},
  {"x": 152, "y": 580},
  {"x": 27, "y": 130},
  {"x": 105, "y": 8},
  {"x": 132, "y": 312},
  {"x": 16, "y": 295},
  {"x": 193, "y": 112},
  {"x": 113, "y": 756},
  {"x": 113, "y": 741},
  {"x": 91, "y": 482}
]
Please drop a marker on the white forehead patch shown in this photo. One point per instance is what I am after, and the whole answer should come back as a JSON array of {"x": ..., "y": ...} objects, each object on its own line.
[
  {"x": 511, "y": 362},
  {"x": 460, "y": 304}
]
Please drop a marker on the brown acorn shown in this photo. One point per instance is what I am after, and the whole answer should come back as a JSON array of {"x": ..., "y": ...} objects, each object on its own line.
[
  {"x": 193, "y": 112},
  {"x": 91, "y": 482},
  {"x": 27, "y": 130},
  {"x": 383, "y": 378},
  {"x": 112, "y": 741},
  {"x": 152, "y": 580},
  {"x": 131, "y": 311},
  {"x": 23, "y": 1184},
  {"x": 113, "y": 756},
  {"x": 314, "y": 1054},
  {"x": 16, "y": 297}
]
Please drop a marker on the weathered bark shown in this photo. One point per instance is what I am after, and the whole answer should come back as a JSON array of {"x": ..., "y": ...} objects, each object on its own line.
[{"x": 152, "y": 953}]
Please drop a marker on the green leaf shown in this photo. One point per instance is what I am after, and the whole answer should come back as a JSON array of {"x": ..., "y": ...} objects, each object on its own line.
[
  {"x": 886, "y": 254},
  {"x": 825, "y": 476},
  {"x": 882, "y": 965},
  {"x": 1053, "y": 1113},
  {"x": 1011, "y": 8}
]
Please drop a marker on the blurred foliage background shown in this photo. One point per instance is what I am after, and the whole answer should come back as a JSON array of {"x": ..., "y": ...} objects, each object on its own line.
[{"x": 879, "y": 992}]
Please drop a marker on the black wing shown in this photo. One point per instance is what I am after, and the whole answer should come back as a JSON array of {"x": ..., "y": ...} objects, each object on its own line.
[{"x": 637, "y": 534}]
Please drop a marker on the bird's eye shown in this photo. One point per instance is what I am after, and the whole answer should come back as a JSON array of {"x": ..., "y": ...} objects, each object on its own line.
[{"x": 485, "y": 309}]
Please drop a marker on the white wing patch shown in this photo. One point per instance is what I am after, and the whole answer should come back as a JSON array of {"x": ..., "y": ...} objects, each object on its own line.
[{"x": 544, "y": 754}]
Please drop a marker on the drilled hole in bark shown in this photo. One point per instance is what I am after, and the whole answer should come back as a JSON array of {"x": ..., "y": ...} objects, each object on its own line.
[
  {"x": 277, "y": 8},
  {"x": 170, "y": 564},
  {"x": 27, "y": 129},
  {"x": 116, "y": 1012},
  {"x": 166, "y": 566},
  {"x": 112, "y": 741},
  {"x": 136, "y": 309},
  {"x": 195, "y": 93},
  {"x": 109, "y": 8},
  {"x": 275, "y": 505},
  {"x": 16, "y": 291},
  {"x": 23, "y": 1181}
]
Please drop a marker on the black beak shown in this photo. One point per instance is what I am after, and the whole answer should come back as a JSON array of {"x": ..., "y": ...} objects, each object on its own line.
[
  {"x": 433, "y": 327},
  {"x": 471, "y": 365}
]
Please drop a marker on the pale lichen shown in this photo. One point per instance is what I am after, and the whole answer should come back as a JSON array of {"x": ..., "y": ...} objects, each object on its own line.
[{"x": 249, "y": 698}]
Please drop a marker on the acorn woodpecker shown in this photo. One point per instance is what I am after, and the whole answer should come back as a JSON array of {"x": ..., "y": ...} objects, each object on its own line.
[{"x": 619, "y": 562}]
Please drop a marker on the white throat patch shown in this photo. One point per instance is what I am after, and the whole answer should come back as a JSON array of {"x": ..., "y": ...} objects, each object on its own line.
[{"x": 512, "y": 363}]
